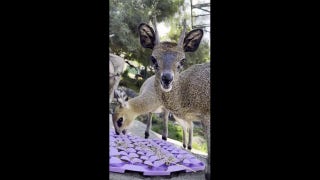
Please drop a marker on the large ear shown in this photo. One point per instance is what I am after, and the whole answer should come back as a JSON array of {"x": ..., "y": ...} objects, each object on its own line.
[
  {"x": 192, "y": 40},
  {"x": 147, "y": 36}
]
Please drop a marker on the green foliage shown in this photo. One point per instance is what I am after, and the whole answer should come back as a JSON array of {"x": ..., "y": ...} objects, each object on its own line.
[
  {"x": 125, "y": 16},
  {"x": 201, "y": 55},
  {"x": 201, "y": 147},
  {"x": 176, "y": 132}
]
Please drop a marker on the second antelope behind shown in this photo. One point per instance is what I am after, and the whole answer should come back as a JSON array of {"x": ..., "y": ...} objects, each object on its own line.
[{"x": 186, "y": 94}]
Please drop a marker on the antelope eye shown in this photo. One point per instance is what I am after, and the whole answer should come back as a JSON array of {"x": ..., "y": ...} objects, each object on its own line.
[
  {"x": 154, "y": 62},
  {"x": 182, "y": 62},
  {"x": 119, "y": 122}
]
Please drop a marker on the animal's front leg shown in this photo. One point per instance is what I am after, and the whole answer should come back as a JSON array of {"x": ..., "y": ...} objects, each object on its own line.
[
  {"x": 149, "y": 124},
  {"x": 190, "y": 136},
  {"x": 165, "y": 125},
  {"x": 184, "y": 137}
]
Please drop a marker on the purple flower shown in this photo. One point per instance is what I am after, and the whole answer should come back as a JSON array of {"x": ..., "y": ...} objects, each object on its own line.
[
  {"x": 153, "y": 158},
  {"x": 125, "y": 158},
  {"x": 148, "y": 163},
  {"x": 136, "y": 160},
  {"x": 132, "y": 155}
]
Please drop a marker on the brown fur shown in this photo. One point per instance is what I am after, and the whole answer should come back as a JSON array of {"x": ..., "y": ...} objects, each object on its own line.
[
  {"x": 116, "y": 65},
  {"x": 185, "y": 94},
  {"x": 147, "y": 102}
]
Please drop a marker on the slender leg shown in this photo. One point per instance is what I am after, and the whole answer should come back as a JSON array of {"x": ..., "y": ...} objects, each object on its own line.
[
  {"x": 190, "y": 136},
  {"x": 165, "y": 125},
  {"x": 149, "y": 123},
  {"x": 184, "y": 128},
  {"x": 184, "y": 136},
  {"x": 207, "y": 130}
]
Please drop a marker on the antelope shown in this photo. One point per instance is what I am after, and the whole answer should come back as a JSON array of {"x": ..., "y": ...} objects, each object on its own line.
[
  {"x": 185, "y": 94},
  {"x": 116, "y": 66},
  {"x": 146, "y": 102}
]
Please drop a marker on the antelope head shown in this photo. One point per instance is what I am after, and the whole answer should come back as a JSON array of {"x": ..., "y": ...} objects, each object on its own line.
[{"x": 168, "y": 57}]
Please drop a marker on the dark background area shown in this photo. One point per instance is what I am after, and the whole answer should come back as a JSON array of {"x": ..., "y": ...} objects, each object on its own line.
[{"x": 57, "y": 90}]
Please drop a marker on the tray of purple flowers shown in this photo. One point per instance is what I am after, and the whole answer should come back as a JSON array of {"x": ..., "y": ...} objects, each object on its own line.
[{"x": 152, "y": 157}]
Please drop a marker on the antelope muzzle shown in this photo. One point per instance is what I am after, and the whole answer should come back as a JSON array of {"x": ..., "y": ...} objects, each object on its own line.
[{"x": 166, "y": 81}]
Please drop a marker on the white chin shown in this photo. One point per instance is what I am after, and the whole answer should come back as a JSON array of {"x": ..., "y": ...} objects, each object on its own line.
[{"x": 166, "y": 90}]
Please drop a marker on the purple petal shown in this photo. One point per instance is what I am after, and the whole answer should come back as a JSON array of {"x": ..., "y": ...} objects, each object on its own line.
[
  {"x": 186, "y": 161},
  {"x": 130, "y": 145},
  {"x": 175, "y": 151},
  {"x": 115, "y": 160},
  {"x": 113, "y": 152},
  {"x": 170, "y": 148},
  {"x": 148, "y": 163},
  {"x": 131, "y": 155},
  {"x": 140, "y": 152},
  {"x": 181, "y": 156},
  {"x": 189, "y": 156},
  {"x": 144, "y": 157},
  {"x": 159, "y": 163},
  {"x": 153, "y": 158},
  {"x": 149, "y": 153},
  {"x": 138, "y": 148},
  {"x": 126, "y": 158},
  {"x": 123, "y": 153},
  {"x": 195, "y": 161},
  {"x": 136, "y": 160},
  {"x": 131, "y": 150}
]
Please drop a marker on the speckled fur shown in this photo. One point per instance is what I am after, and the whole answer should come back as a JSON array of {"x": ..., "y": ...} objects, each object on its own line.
[
  {"x": 185, "y": 94},
  {"x": 138, "y": 105},
  {"x": 116, "y": 65},
  {"x": 144, "y": 103},
  {"x": 189, "y": 98}
]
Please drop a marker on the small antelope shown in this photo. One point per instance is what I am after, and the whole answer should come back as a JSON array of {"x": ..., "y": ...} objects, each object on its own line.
[
  {"x": 116, "y": 65},
  {"x": 146, "y": 102},
  {"x": 185, "y": 94}
]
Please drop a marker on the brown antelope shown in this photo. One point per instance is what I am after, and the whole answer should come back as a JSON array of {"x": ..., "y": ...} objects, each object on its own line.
[
  {"x": 145, "y": 102},
  {"x": 116, "y": 65},
  {"x": 186, "y": 94}
]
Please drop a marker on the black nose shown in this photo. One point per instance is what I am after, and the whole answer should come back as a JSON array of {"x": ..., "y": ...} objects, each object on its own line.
[
  {"x": 167, "y": 78},
  {"x": 119, "y": 122}
]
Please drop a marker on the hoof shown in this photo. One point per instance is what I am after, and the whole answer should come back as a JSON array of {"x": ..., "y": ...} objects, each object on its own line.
[
  {"x": 117, "y": 133},
  {"x": 146, "y": 135},
  {"x": 164, "y": 138},
  {"x": 184, "y": 146},
  {"x": 189, "y": 147}
]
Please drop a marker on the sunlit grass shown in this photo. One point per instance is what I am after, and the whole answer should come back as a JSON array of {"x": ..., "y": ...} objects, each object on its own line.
[{"x": 175, "y": 132}]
